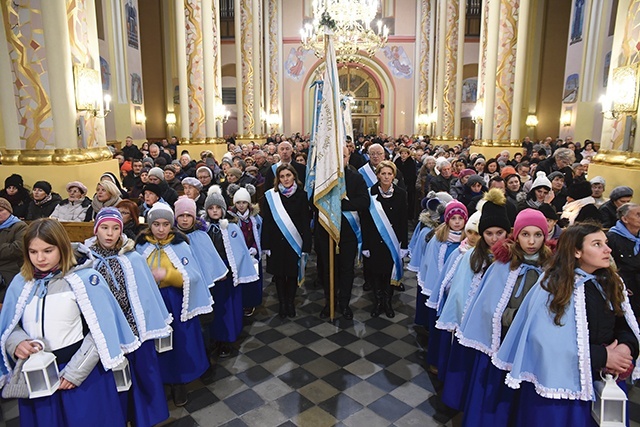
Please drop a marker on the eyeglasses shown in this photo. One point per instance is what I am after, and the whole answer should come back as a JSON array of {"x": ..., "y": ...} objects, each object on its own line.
[{"x": 124, "y": 213}]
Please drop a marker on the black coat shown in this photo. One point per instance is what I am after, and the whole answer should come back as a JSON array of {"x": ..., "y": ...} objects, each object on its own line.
[
  {"x": 549, "y": 165},
  {"x": 628, "y": 266},
  {"x": 283, "y": 260},
  {"x": 395, "y": 209},
  {"x": 608, "y": 215},
  {"x": 604, "y": 328},
  {"x": 45, "y": 210},
  {"x": 439, "y": 183}
]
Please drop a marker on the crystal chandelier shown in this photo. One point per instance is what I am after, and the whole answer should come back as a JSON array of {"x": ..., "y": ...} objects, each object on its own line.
[{"x": 350, "y": 22}]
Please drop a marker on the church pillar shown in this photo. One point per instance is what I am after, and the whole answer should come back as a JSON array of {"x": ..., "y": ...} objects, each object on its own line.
[
  {"x": 449, "y": 77},
  {"x": 273, "y": 64},
  {"x": 183, "y": 83},
  {"x": 212, "y": 67},
  {"x": 52, "y": 101},
  {"x": 618, "y": 159},
  {"x": 248, "y": 69},
  {"x": 193, "y": 35},
  {"x": 425, "y": 47}
]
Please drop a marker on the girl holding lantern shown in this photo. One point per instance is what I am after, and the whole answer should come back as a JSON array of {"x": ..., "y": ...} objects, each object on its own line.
[{"x": 61, "y": 301}]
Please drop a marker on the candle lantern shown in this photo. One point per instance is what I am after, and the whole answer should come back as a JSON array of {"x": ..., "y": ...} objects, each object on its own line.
[
  {"x": 122, "y": 375},
  {"x": 610, "y": 407},
  {"x": 41, "y": 373},
  {"x": 164, "y": 343}
]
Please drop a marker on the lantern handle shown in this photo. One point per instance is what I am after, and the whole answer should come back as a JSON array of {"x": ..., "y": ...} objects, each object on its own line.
[
  {"x": 40, "y": 343},
  {"x": 608, "y": 376}
]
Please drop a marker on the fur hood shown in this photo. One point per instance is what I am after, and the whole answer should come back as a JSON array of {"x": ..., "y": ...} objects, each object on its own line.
[
  {"x": 255, "y": 211},
  {"x": 429, "y": 219}
]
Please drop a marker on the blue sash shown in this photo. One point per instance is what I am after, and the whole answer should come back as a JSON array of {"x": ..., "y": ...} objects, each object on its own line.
[
  {"x": 368, "y": 174},
  {"x": 354, "y": 221},
  {"x": 288, "y": 229},
  {"x": 389, "y": 237},
  {"x": 274, "y": 167}
]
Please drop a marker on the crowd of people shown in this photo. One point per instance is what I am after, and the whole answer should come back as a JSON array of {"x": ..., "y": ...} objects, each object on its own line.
[{"x": 518, "y": 258}]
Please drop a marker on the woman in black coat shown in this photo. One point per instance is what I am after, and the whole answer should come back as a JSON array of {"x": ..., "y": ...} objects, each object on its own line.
[
  {"x": 393, "y": 201},
  {"x": 283, "y": 261}
]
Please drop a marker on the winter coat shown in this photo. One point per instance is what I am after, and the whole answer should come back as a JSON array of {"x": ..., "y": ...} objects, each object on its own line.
[
  {"x": 11, "y": 253},
  {"x": 68, "y": 211},
  {"x": 44, "y": 210}
]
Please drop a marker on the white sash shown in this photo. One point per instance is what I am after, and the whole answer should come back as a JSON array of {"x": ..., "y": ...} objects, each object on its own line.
[{"x": 389, "y": 237}]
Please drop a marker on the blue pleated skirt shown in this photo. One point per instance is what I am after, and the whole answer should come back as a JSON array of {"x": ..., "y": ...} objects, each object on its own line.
[
  {"x": 95, "y": 402},
  {"x": 145, "y": 403},
  {"x": 227, "y": 311},
  {"x": 252, "y": 292},
  {"x": 533, "y": 410},
  {"x": 421, "y": 307},
  {"x": 458, "y": 373},
  {"x": 439, "y": 345},
  {"x": 188, "y": 360},
  {"x": 489, "y": 399}
]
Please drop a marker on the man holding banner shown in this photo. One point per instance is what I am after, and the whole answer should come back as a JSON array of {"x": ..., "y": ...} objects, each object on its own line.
[{"x": 353, "y": 206}]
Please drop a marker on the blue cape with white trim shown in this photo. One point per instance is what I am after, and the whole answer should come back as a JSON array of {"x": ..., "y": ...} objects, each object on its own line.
[
  {"x": 555, "y": 359},
  {"x": 108, "y": 326},
  {"x": 209, "y": 261},
  {"x": 148, "y": 308},
  {"x": 432, "y": 263},
  {"x": 417, "y": 246},
  {"x": 196, "y": 299}
]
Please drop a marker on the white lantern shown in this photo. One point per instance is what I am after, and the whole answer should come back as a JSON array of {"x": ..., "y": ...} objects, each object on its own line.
[
  {"x": 256, "y": 265},
  {"x": 41, "y": 373},
  {"x": 165, "y": 343},
  {"x": 122, "y": 375},
  {"x": 610, "y": 407}
]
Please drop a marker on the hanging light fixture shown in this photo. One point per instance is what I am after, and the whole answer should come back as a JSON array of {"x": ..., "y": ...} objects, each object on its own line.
[{"x": 350, "y": 21}]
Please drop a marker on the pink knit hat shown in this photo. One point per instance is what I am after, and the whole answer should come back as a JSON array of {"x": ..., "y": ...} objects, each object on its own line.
[
  {"x": 529, "y": 217},
  {"x": 185, "y": 205},
  {"x": 454, "y": 207}
]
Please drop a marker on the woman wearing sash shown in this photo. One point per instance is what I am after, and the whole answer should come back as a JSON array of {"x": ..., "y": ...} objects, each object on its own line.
[
  {"x": 184, "y": 291},
  {"x": 575, "y": 323},
  {"x": 60, "y": 300},
  {"x": 286, "y": 236},
  {"x": 132, "y": 284},
  {"x": 384, "y": 236}
]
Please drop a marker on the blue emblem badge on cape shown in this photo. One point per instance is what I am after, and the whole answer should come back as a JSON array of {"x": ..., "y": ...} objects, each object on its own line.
[
  {"x": 94, "y": 280},
  {"x": 234, "y": 234},
  {"x": 185, "y": 260}
]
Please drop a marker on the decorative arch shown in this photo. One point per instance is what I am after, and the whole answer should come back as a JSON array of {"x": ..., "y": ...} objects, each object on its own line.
[{"x": 377, "y": 72}]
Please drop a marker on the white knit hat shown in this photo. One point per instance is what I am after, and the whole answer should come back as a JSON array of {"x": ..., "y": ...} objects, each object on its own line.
[
  {"x": 242, "y": 195},
  {"x": 541, "y": 181}
]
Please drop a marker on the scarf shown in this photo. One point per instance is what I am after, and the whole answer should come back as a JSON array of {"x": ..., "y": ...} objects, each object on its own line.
[
  {"x": 97, "y": 205},
  {"x": 623, "y": 231},
  {"x": 532, "y": 203},
  {"x": 243, "y": 216},
  {"x": 386, "y": 194},
  {"x": 43, "y": 201},
  {"x": 454, "y": 236},
  {"x": 9, "y": 222},
  {"x": 572, "y": 209},
  {"x": 287, "y": 192}
]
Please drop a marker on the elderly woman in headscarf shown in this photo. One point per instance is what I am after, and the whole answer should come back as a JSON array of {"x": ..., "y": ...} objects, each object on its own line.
[
  {"x": 44, "y": 201},
  {"x": 75, "y": 207}
]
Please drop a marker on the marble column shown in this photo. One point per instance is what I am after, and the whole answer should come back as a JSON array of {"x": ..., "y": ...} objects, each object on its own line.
[
  {"x": 195, "y": 69},
  {"x": 425, "y": 47},
  {"x": 273, "y": 64},
  {"x": 183, "y": 82},
  {"x": 450, "y": 62}
]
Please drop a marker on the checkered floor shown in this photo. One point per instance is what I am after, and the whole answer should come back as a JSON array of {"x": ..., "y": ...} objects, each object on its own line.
[{"x": 309, "y": 372}]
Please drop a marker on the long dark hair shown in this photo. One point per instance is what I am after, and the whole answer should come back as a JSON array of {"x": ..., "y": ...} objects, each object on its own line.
[
  {"x": 559, "y": 279},
  {"x": 481, "y": 256}
]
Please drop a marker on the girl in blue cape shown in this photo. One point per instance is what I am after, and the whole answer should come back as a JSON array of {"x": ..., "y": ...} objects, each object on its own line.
[
  {"x": 249, "y": 220},
  {"x": 446, "y": 239},
  {"x": 574, "y": 324},
  {"x": 517, "y": 265},
  {"x": 463, "y": 284},
  {"x": 60, "y": 300},
  {"x": 438, "y": 297},
  {"x": 229, "y": 242},
  {"x": 132, "y": 284},
  {"x": 431, "y": 216},
  {"x": 185, "y": 294}
]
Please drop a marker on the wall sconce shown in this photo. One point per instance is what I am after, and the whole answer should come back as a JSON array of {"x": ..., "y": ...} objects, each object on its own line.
[
  {"x": 88, "y": 92},
  {"x": 139, "y": 116},
  {"x": 532, "y": 121},
  {"x": 565, "y": 119},
  {"x": 477, "y": 114},
  {"x": 623, "y": 93},
  {"x": 220, "y": 113},
  {"x": 171, "y": 119}
]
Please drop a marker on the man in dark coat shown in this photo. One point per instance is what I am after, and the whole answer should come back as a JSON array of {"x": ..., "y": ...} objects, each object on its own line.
[
  {"x": 285, "y": 151},
  {"x": 442, "y": 182},
  {"x": 130, "y": 151},
  {"x": 357, "y": 201},
  {"x": 407, "y": 166},
  {"x": 561, "y": 161}
]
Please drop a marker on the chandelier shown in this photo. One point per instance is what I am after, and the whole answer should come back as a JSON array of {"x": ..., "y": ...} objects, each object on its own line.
[{"x": 350, "y": 22}]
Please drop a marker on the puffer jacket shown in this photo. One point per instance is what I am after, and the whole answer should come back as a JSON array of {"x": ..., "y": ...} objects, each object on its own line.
[{"x": 68, "y": 211}]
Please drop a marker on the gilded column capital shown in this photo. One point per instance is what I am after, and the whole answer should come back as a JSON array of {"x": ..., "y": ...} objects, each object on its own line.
[{"x": 630, "y": 159}]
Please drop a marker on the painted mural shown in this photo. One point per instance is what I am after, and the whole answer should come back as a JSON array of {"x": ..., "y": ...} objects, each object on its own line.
[
  {"x": 571, "y": 89},
  {"x": 131, "y": 13},
  {"x": 399, "y": 62},
  {"x": 136, "y": 89},
  {"x": 294, "y": 65},
  {"x": 470, "y": 89},
  {"x": 578, "y": 21},
  {"x": 105, "y": 74}
]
